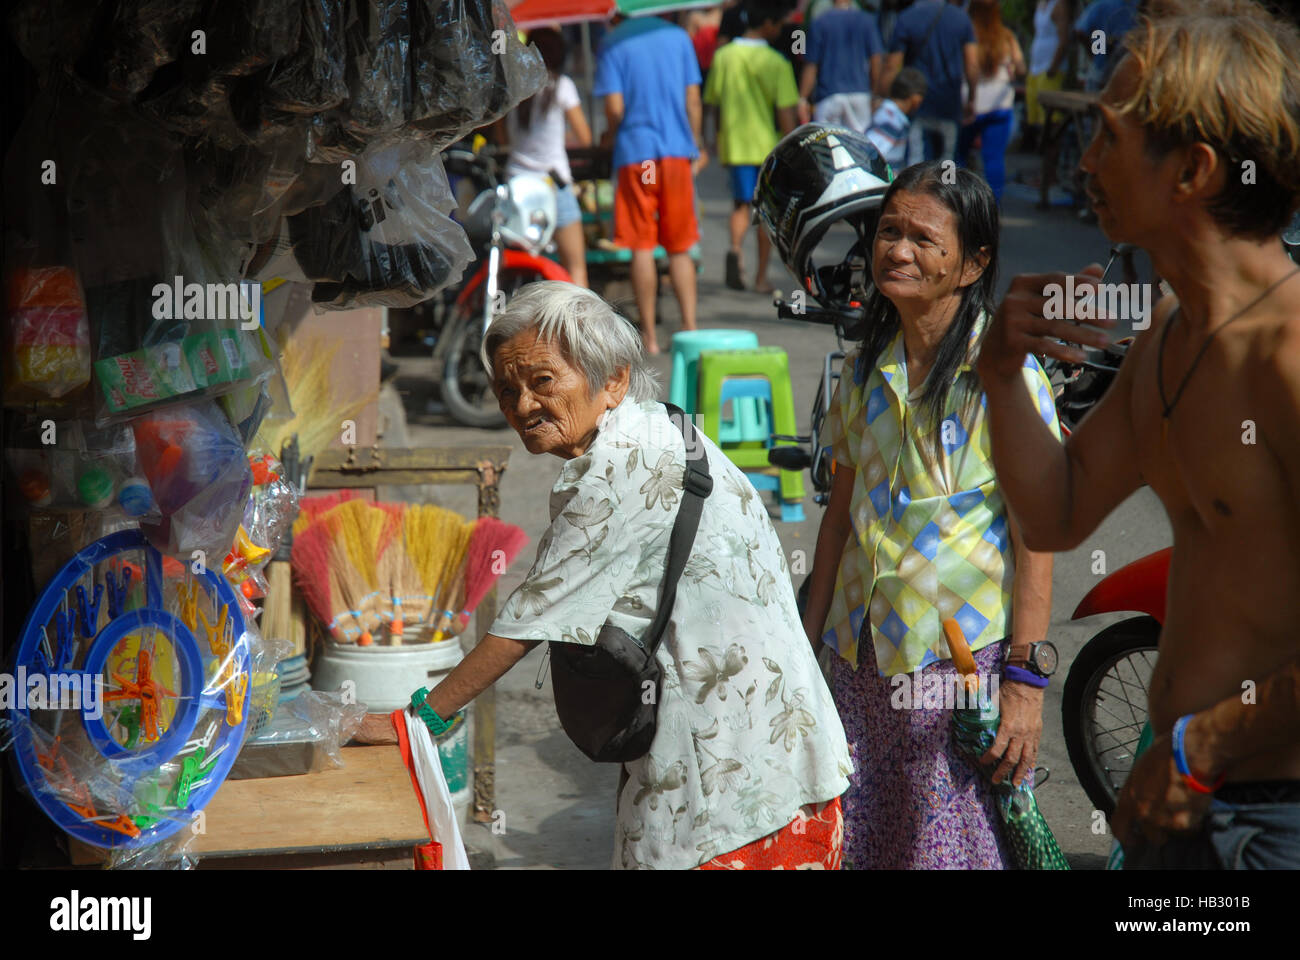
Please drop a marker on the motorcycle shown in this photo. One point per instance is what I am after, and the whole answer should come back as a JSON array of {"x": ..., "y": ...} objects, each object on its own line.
[{"x": 509, "y": 223}]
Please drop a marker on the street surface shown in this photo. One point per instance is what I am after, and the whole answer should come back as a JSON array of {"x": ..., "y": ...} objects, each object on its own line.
[{"x": 558, "y": 806}]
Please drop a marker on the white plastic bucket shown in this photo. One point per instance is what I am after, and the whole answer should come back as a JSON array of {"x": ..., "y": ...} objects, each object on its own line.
[{"x": 384, "y": 679}]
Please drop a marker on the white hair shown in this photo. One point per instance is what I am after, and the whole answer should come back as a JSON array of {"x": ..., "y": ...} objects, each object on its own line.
[{"x": 591, "y": 334}]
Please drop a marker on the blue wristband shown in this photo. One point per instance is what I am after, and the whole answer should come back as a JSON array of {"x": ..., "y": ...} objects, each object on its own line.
[
  {"x": 1180, "y": 758},
  {"x": 1021, "y": 675}
]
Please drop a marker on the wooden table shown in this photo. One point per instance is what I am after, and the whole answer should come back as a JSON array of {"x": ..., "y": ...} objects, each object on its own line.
[
  {"x": 480, "y": 466},
  {"x": 365, "y": 812},
  {"x": 1061, "y": 107}
]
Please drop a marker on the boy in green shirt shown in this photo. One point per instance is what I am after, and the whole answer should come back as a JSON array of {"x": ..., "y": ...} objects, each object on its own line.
[{"x": 752, "y": 86}]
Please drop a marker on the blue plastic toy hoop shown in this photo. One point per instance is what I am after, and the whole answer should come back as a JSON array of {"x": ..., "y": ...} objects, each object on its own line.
[{"x": 135, "y": 765}]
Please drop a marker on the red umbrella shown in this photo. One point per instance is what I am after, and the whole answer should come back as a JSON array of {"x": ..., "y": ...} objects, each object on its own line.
[{"x": 536, "y": 13}]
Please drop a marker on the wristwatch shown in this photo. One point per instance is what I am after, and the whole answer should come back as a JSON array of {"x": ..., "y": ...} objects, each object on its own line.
[{"x": 1040, "y": 658}]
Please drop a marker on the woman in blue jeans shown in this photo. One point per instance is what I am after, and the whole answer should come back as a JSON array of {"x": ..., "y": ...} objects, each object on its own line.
[{"x": 1001, "y": 62}]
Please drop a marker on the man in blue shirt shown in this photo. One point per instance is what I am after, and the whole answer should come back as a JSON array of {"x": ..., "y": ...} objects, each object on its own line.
[
  {"x": 1101, "y": 27},
  {"x": 650, "y": 78},
  {"x": 842, "y": 67},
  {"x": 939, "y": 40}
]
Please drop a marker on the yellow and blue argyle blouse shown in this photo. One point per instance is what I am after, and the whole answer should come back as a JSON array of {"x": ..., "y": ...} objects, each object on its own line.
[{"x": 930, "y": 538}]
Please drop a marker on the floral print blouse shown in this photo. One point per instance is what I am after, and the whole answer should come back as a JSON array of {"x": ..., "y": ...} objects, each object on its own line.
[{"x": 747, "y": 730}]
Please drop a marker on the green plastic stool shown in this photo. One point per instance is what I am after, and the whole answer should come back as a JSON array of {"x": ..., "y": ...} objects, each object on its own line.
[
  {"x": 748, "y": 421},
  {"x": 770, "y": 364}
]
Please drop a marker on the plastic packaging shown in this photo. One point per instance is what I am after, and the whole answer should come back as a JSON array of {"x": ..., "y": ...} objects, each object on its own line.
[
  {"x": 312, "y": 78},
  {"x": 196, "y": 468},
  {"x": 268, "y": 515},
  {"x": 133, "y": 39},
  {"x": 79, "y": 468},
  {"x": 468, "y": 66},
  {"x": 139, "y": 705},
  {"x": 48, "y": 344},
  {"x": 331, "y": 718},
  {"x": 388, "y": 240}
]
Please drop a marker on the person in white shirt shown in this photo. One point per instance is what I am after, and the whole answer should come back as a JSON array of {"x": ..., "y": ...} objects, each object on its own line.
[
  {"x": 537, "y": 145},
  {"x": 1000, "y": 62},
  {"x": 1048, "y": 56}
]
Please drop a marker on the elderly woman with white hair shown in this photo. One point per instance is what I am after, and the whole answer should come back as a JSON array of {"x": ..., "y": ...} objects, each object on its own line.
[{"x": 748, "y": 757}]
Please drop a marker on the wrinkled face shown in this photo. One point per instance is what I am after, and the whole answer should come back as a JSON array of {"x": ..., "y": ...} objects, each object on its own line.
[
  {"x": 546, "y": 399},
  {"x": 916, "y": 256},
  {"x": 1130, "y": 192}
]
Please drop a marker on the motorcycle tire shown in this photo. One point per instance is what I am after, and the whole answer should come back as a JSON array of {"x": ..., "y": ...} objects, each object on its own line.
[
  {"x": 465, "y": 387},
  {"x": 1082, "y": 695}
]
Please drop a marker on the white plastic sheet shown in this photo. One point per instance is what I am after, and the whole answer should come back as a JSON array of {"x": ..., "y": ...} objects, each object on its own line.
[{"x": 434, "y": 793}]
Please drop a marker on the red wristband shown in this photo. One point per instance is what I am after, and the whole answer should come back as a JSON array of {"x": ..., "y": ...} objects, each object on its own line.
[{"x": 1192, "y": 783}]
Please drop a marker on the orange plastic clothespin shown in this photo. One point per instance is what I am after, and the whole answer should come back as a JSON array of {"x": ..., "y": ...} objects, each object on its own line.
[
  {"x": 122, "y": 824},
  {"x": 188, "y": 595},
  {"x": 235, "y": 694}
]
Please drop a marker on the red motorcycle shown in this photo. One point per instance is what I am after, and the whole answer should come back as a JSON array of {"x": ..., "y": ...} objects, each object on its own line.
[
  {"x": 1104, "y": 700},
  {"x": 510, "y": 223}
]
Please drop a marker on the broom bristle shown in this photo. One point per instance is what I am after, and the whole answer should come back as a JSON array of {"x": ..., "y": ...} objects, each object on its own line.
[
  {"x": 352, "y": 588},
  {"x": 492, "y": 549},
  {"x": 315, "y": 570},
  {"x": 452, "y": 593},
  {"x": 426, "y": 547},
  {"x": 395, "y": 571},
  {"x": 311, "y": 508}
]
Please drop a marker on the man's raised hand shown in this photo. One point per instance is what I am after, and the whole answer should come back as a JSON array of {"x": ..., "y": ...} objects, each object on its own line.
[{"x": 1020, "y": 327}]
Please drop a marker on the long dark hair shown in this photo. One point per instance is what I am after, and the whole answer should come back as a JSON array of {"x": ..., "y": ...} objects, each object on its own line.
[
  {"x": 976, "y": 211},
  {"x": 554, "y": 51}
]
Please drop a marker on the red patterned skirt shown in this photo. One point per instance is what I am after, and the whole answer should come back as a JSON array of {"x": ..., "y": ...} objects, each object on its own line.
[{"x": 814, "y": 840}]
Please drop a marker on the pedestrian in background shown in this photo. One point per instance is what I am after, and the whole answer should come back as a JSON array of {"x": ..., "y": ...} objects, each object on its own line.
[
  {"x": 537, "y": 145},
  {"x": 842, "y": 67},
  {"x": 938, "y": 39},
  {"x": 1048, "y": 56},
  {"x": 1100, "y": 28},
  {"x": 752, "y": 88},
  {"x": 1000, "y": 62},
  {"x": 892, "y": 119},
  {"x": 650, "y": 81}
]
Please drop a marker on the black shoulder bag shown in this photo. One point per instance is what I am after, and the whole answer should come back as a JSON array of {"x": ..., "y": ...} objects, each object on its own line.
[{"x": 607, "y": 694}]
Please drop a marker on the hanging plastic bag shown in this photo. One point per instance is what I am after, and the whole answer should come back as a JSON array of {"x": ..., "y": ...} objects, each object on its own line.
[
  {"x": 379, "y": 91},
  {"x": 420, "y": 755},
  {"x": 199, "y": 476},
  {"x": 387, "y": 241},
  {"x": 47, "y": 344},
  {"x": 133, "y": 39},
  {"x": 313, "y": 77}
]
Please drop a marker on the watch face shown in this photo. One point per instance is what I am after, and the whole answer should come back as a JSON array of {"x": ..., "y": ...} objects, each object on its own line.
[{"x": 1045, "y": 658}]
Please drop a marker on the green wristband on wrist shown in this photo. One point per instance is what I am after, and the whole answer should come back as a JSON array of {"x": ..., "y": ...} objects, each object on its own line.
[{"x": 437, "y": 726}]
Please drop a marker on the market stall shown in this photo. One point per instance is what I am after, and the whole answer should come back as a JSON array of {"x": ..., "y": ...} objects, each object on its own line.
[{"x": 209, "y": 208}]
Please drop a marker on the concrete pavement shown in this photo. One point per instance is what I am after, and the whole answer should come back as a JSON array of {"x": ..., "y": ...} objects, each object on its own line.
[{"x": 557, "y": 806}]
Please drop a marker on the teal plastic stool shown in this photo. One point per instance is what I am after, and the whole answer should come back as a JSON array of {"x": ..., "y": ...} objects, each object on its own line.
[
  {"x": 761, "y": 390},
  {"x": 748, "y": 421},
  {"x": 761, "y": 375}
]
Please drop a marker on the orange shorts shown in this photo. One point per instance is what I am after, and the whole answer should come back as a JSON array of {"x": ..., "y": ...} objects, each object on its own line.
[
  {"x": 654, "y": 205},
  {"x": 814, "y": 840}
]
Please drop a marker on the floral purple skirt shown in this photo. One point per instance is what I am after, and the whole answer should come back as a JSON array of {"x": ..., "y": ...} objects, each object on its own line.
[{"x": 913, "y": 802}]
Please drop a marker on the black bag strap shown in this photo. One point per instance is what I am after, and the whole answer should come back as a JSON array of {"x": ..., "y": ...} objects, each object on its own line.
[{"x": 697, "y": 484}]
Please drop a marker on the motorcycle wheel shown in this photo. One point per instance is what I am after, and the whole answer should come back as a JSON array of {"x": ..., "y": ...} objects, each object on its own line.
[
  {"x": 1104, "y": 706},
  {"x": 466, "y": 390}
]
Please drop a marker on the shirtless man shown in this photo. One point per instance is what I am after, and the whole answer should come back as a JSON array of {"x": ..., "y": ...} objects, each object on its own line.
[{"x": 1206, "y": 410}]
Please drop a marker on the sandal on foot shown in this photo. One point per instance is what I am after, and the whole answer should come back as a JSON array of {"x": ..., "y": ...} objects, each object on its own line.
[{"x": 734, "y": 280}]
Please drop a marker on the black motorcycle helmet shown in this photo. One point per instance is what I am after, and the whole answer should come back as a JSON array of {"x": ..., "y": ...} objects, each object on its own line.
[{"x": 816, "y": 176}]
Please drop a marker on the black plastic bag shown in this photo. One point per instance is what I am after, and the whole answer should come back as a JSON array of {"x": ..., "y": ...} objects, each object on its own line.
[
  {"x": 387, "y": 240},
  {"x": 312, "y": 78}
]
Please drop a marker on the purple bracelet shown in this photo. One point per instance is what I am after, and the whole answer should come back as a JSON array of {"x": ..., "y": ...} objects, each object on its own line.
[{"x": 1021, "y": 675}]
